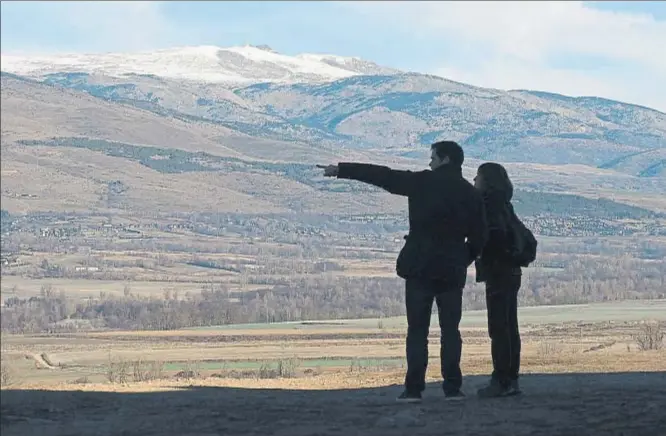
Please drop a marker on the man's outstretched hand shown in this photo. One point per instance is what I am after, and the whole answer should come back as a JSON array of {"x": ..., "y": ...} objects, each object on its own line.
[{"x": 329, "y": 170}]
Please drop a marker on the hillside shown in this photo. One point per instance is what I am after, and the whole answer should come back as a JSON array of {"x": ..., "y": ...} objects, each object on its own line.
[
  {"x": 125, "y": 178},
  {"x": 33, "y": 109},
  {"x": 402, "y": 113},
  {"x": 75, "y": 129},
  {"x": 351, "y": 104}
]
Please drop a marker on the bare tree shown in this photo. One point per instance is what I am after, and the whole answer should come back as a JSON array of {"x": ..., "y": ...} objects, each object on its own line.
[{"x": 650, "y": 336}]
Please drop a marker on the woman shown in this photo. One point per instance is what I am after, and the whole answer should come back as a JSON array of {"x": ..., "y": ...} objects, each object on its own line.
[{"x": 502, "y": 281}]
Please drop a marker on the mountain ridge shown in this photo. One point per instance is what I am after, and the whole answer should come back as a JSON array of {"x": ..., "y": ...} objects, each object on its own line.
[
  {"x": 585, "y": 97},
  {"x": 400, "y": 114},
  {"x": 25, "y": 64},
  {"x": 70, "y": 140}
]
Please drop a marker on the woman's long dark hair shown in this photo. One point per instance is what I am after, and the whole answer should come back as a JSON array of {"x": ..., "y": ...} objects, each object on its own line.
[{"x": 495, "y": 179}]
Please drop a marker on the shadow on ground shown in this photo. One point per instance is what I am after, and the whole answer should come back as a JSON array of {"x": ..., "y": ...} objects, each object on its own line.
[{"x": 552, "y": 404}]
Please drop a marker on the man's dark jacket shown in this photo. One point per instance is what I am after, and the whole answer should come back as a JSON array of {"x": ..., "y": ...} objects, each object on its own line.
[{"x": 447, "y": 224}]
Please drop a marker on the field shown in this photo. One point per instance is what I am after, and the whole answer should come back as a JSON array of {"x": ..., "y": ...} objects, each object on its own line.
[{"x": 584, "y": 372}]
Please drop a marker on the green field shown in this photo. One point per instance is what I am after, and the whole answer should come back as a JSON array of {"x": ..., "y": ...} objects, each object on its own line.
[{"x": 617, "y": 311}]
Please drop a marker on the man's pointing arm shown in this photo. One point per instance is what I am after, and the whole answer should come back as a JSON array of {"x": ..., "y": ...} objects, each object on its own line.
[{"x": 397, "y": 182}]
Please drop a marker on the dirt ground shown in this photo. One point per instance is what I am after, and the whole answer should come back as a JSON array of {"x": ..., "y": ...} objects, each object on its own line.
[
  {"x": 624, "y": 404},
  {"x": 579, "y": 379}
]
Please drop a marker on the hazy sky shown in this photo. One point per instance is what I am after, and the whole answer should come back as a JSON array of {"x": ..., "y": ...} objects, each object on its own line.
[{"x": 608, "y": 49}]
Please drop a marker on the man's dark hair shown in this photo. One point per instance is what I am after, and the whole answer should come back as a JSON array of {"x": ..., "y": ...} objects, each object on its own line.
[{"x": 449, "y": 149}]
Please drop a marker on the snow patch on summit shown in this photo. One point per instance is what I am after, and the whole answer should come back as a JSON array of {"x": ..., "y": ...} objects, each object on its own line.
[{"x": 232, "y": 65}]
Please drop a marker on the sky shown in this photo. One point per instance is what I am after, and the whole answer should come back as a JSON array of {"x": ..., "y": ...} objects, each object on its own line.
[{"x": 607, "y": 49}]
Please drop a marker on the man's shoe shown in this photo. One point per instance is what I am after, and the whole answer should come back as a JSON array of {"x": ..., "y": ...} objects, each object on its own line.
[
  {"x": 495, "y": 390},
  {"x": 454, "y": 395},
  {"x": 409, "y": 397}
]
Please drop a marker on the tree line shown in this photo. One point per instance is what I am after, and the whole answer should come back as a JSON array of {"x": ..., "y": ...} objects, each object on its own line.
[{"x": 312, "y": 298}]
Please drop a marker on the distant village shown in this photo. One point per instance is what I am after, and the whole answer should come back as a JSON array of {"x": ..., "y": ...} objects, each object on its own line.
[{"x": 67, "y": 227}]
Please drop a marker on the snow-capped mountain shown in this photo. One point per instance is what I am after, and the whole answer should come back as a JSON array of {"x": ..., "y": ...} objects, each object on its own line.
[
  {"x": 343, "y": 103},
  {"x": 233, "y": 65}
]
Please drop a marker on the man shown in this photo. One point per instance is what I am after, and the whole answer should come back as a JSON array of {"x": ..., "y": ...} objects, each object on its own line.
[{"x": 447, "y": 230}]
